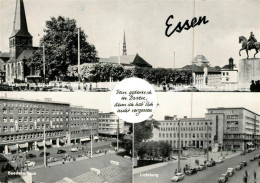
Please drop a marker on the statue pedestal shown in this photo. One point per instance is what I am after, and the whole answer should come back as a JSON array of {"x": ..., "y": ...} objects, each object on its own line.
[{"x": 249, "y": 69}]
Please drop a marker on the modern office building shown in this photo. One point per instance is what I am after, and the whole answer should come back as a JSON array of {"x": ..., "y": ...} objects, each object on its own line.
[
  {"x": 194, "y": 132},
  {"x": 83, "y": 125},
  {"x": 22, "y": 124},
  {"x": 237, "y": 128},
  {"x": 221, "y": 128},
  {"x": 109, "y": 123}
]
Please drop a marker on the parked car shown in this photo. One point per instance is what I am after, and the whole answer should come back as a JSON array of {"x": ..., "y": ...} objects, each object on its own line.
[
  {"x": 244, "y": 163},
  {"x": 238, "y": 167},
  {"x": 127, "y": 157},
  {"x": 60, "y": 151},
  {"x": 30, "y": 163},
  {"x": 42, "y": 153},
  {"x": 177, "y": 177},
  {"x": 220, "y": 160},
  {"x": 204, "y": 167},
  {"x": 209, "y": 164},
  {"x": 98, "y": 151},
  {"x": 252, "y": 159},
  {"x": 223, "y": 178},
  {"x": 191, "y": 171},
  {"x": 243, "y": 153},
  {"x": 30, "y": 156},
  {"x": 52, "y": 159},
  {"x": 230, "y": 171},
  {"x": 88, "y": 153},
  {"x": 74, "y": 149}
]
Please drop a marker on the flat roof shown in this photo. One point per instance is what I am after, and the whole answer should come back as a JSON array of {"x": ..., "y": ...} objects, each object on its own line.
[
  {"x": 223, "y": 108},
  {"x": 36, "y": 101}
]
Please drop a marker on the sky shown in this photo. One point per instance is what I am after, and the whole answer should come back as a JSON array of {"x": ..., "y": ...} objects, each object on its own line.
[
  {"x": 104, "y": 21},
  {"x": 178, "y": 103}
]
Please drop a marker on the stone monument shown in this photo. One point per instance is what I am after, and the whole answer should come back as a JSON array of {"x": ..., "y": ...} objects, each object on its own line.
[{"x": 249, "y": 68}]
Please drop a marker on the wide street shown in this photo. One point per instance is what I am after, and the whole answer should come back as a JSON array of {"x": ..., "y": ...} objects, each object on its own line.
[{"x": 210, "y": 175}]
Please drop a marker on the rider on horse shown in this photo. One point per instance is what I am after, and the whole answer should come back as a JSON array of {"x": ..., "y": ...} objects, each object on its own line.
[{"x": 251, "y": 40}]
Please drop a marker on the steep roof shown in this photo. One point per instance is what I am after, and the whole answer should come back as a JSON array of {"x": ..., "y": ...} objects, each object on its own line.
[
  {"x": 20, "y": 24},
  {"x": 126, "y": 60},
  {"x": 25, "y": 54}
]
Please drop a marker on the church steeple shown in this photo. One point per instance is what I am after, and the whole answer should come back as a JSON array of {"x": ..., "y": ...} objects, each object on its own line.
[
  {"x": 20, "y": 39},
  {"x": 20, "y": 24},
  {"x": 124, "y": 46}
]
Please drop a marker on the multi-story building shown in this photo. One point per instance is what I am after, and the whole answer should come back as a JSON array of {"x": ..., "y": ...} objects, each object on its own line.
[
  {"x": 222, "y": 128},
  {"x": 237, "y": 128},
  {"x": 229, "y": 73},
  {"x": 83, "y": 125},
  {"x": 109, "y": 123},
  {"x": 22, "y": 124},
  {"x": 194, "y": 132}
]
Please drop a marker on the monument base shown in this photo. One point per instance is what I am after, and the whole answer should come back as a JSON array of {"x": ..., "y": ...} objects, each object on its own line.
[{"x": 249, "y": 69}]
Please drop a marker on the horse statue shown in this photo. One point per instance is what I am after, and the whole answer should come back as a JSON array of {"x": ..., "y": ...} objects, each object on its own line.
[{"x": 246, "y": 46}]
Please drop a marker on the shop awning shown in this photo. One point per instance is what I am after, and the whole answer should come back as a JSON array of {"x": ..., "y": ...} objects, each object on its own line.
[
  {"x": 95, "y": 138},
  {"x": 251, "y": 144},
  {"x": 13, "y": 147},
  {"x": 48, "y": 143},
  {"x": 85, "y": 139},
  {"x": 25, "y": 145},
  {"x": 62, "y": 141},
  {"x": 40, "y": 144}
]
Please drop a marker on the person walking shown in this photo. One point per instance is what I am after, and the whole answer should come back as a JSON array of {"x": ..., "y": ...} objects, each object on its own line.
[{"x": 246, "y": 174}]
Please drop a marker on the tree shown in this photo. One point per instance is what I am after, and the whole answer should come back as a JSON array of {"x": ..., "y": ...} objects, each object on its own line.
[{"x": 61, "y": 47}]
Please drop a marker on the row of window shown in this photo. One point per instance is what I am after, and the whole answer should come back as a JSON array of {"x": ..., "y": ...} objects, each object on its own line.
[
  {"x": 185, "y": 128},
  {"x": 31, "y": 127},
  {"x": 83, "y": 125},
  {"x": 183, "y": 143},
  {"x": 232, "y": 117},
  {"x": 184, "y": 123},
  {"x": 84, "y": 113},
  {"x": 11, "y": 110},
  {"x": 184, "y": 135},
  {"x": 83, "y": 118},
  {"x": 30, "y": 119},
  {"x": 29, "y": 136}
]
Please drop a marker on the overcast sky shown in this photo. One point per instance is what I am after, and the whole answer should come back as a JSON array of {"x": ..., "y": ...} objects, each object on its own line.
[
  {"x": 144, "y": 22},
  {"x": 169, "y": 103}
]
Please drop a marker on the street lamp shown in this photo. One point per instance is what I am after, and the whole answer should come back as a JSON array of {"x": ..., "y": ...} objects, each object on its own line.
[
  {"x": 179, "y": 147},
  {"x": 207, "y": 141}
]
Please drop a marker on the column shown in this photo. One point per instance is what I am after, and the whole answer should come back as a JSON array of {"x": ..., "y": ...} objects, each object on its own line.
[
  {"x": 58, "y": 142},
  {"x": 6, "y": 149},
  {"x": 35, "y": 145}
]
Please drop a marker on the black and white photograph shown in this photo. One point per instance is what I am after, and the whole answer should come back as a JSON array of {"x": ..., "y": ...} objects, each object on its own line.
[
  {"x": 129, "y": 91},
  {"x": 205, "y": 141},
  {"x": 191, "y": 45},
  {"x": 63, "y": 138}
]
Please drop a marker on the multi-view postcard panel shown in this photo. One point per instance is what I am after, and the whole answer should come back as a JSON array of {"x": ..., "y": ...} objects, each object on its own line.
[{"x": 194, "y": 67}]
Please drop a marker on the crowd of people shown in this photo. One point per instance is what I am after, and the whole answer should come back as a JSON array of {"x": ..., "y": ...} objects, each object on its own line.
[{"x": 255, "y": 86}]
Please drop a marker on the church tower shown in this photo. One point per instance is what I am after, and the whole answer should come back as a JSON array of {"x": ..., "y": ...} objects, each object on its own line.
[
  {"x": 124, "y": 46},
  {"x": 20, "y": 38}
]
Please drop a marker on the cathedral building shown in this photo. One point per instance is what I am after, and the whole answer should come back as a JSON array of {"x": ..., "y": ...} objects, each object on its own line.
[{"x": 20, "y": 49}]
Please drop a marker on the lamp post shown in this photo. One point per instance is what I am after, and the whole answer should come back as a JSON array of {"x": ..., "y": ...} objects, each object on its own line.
[
  {"x": 44, "y": 148},
  {"x": 179, "y": 147},
  {"x": 91, "y": 135},
  {"x": 117, "y": 135},
  {"x": 207, "y": 141},
  {"x": 78, "y": 53}
]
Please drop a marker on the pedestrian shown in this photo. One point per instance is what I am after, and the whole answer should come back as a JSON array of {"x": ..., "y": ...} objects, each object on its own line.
[
  {"x": 257, "y": 86},
  {"x": 246, "y": 174},
  {"x": 253, "y": 86},
  {"x": 63, "y": 161},
  {"x": 175, "y": 171},
  {"x": 90, "y": 86},
  {"x": 245, "y": 179},
  {"x": 255, "y": 175}
]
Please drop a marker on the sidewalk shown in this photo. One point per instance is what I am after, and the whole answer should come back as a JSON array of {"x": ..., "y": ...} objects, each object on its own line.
[{"x": 190, "y": 161}]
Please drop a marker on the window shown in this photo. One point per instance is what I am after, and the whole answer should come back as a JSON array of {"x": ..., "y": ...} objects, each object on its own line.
[
  {"x": 11, "y": 119},
  {"x": 5, "y": 128},
  {"x": 20, "y": 119},
  {"x": 5, "y": 119},
  {"x": 25, "y": 111},
  {"x": 11, "y": 128},
  {"x": 19, "y": 111},
  {"x": 20, "y": 127}
]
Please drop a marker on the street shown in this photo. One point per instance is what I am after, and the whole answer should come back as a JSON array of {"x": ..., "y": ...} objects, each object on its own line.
[{"x": 210, "y": 175}]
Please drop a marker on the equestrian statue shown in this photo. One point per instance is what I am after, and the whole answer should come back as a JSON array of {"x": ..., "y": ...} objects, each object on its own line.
[{"x": 249, "y": 44}]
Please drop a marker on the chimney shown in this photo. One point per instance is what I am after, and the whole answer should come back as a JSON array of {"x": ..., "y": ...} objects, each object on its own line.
[{"x": 231, "y": 63}]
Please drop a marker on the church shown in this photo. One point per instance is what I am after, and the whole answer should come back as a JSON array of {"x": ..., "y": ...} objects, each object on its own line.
[{"x": 12, "y": 63}]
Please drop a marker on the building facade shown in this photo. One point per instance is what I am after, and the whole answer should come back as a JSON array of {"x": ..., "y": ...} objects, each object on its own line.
[
  {"x": 229, "y": 73},
  {"x": 109, "y": 124},
  {"x": 22, "y": 124},
  {"x": 220, "y": 129},
  {"x": 83, "y": 125},
  {"x": 238, "y": 128},
  {"x": 194, "y": 132}
]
